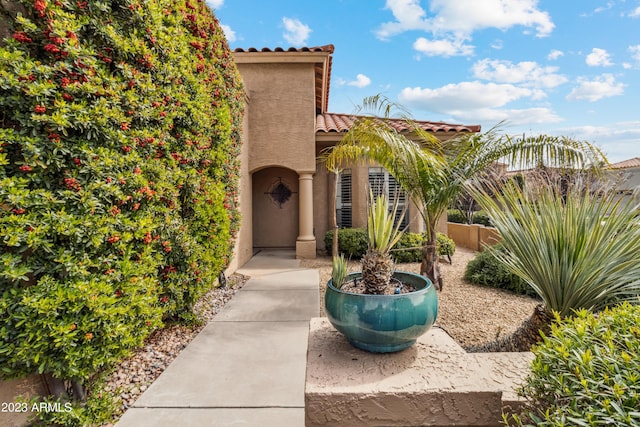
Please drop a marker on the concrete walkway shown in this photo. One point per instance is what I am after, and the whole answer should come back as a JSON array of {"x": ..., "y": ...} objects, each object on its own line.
[{"x": 247, "y": 366}]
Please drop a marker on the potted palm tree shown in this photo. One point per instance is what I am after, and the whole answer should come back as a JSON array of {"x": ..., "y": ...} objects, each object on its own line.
[{"x": 379, "y": 309}]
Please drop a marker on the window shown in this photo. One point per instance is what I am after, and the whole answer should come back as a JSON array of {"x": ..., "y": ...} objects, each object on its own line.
[
  {"x": 343, "y": 200},
  {"x": 381, "y": 182}
]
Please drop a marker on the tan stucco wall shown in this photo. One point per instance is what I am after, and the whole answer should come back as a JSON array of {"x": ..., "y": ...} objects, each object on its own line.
[
  {"x": 282, "y": 115},
  {"x": 323, "y": 194},
  {"x": 473, "y": 236},
  {"x": 278, "y": 132},
  {"x": 274, "y": 226}
]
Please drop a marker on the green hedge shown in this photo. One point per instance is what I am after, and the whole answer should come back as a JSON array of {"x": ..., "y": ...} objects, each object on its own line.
[
  {"x": 479, "y": 217},
  {"x": 454, "y": 215},
  {"x": 587, "y": 372},
  {"x": 119, "y": 143},
  {"x": 352, "y": 242},
  {"x": 484, "y": 269}
]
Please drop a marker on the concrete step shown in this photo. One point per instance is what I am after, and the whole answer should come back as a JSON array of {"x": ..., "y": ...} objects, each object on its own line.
[{"x": 435, "y": 382}]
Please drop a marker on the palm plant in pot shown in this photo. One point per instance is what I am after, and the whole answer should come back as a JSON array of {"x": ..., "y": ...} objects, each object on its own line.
[{"x": 379, "y": 309}]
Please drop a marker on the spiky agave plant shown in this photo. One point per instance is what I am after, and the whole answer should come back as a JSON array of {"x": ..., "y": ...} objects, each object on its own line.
[
  {"x": 579, "y": 250},
  {"x": 377, "y": 264}
]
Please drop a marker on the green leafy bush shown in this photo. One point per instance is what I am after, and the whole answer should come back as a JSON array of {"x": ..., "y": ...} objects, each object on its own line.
[
  {"x": 479, "y": 217},
  {"x": 587, "y": 372},
  {"x": 353, "y": 243},
  {"x": 454, "y": 215},
  {"x": 408, "y": 240},
  {"x": 446, "y": 245},
  {"x": 482, "y": 218},
  {"x": 484, "y": 269},
  {"x": 119, "y": 138}
]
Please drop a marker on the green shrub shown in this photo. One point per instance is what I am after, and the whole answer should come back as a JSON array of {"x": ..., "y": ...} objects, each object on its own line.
[
  {"x": 486, "y": 270},
  {"x": 454, "y": 215},
  {"x": 99, "y": 409},
  {"x": 482, "y": 218},
  {"x": 587, "y": 372},
  {"x": 408, "y": 240},
  {"x": 119, "y": 139},
  {"x": 446, "y": 245},
  {"x": 353, "y": 243}
]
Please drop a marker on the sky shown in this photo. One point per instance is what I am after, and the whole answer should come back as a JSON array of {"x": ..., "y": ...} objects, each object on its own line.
[{"x": 567, "y": 68}]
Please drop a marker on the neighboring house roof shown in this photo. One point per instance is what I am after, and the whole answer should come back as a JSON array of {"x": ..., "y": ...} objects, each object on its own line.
[
  {"x": 322, "y": 68},
  {"x": 629, "y": 163},
  {"x": 332, "y": 122}
]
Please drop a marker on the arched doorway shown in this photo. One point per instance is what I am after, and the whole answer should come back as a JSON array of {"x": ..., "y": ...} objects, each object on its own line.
[{"x": 275, "y": 208}]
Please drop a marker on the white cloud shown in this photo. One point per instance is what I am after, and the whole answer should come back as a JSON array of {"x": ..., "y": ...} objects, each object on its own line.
[
  {"x": 409, "y": 16},
  {"x": 468, "y": 16},
  {"x": 463, "y": 17},
  {"x": 598, "y": 58},
  {"x": 464, "y": 95},
  {"x": 452, "y": 22},
  {"x": 527, "y": 73},
  {"x": 604, "y": 86},
  {"x": 442, "y": 47},
  {"x": 635, "y": 13},
  {"x": 525, "y": 116},
  {"x": 215, "y": 4},
  {"x": 604, "y": 8},
  {"x": 360, "y": 81},
  {"x": 476, "y": 101},
  {"x": 635, "y": 53},
  {"x": 295, "y": 32},
  {"x": 555, "y": 54},
  {"x": 229, "y": 33},
  {"x": 619, "y": 141}
]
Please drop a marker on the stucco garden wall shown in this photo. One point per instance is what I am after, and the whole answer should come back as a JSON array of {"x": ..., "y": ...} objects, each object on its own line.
[{"x": 472, "y": 236}]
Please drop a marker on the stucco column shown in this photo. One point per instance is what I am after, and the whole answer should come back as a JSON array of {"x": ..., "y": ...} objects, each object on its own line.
[{"x": 306, "y": 241}]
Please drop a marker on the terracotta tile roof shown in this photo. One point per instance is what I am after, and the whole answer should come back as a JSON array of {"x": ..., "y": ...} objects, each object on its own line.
[
  {"x": 629, "y": 163},
  {"x": 331, "y": 122},
  {"x": 329, "y": 48},
  {"x": 322, "y": 93}
]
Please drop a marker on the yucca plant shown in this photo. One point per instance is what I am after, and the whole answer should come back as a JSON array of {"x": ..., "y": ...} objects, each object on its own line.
[
  {"x": 577, "y": 249},
  {"x": 377, "y": 264},
  {"x": 339, "y": 270}
]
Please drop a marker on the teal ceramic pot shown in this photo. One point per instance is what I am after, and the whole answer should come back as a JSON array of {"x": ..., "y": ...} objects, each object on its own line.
[{"x": 383, "y": 323}]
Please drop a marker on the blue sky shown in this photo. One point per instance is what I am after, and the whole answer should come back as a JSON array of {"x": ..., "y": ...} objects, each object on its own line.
[{"x": 569, "y": 67}]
